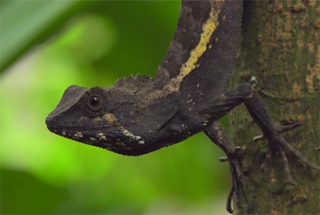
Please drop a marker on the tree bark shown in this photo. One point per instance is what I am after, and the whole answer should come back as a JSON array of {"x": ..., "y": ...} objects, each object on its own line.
[{"x": 280, "y": 48}]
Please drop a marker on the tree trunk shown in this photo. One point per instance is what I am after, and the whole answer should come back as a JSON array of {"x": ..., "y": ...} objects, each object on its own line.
[{"x": 280, "y": 49}]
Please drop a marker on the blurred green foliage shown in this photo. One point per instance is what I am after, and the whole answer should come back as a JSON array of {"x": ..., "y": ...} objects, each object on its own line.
[{"x": 47, "y": 46}]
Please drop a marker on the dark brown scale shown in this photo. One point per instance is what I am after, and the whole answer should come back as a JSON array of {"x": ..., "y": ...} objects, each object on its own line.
[{"x": 139, "y": 115}]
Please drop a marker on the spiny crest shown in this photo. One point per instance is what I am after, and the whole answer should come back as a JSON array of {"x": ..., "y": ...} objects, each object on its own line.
[{"x": 133, "y": 83}]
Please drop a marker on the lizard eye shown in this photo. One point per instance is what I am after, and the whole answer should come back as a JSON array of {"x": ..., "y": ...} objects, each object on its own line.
[{"x": 95, "y": 102}]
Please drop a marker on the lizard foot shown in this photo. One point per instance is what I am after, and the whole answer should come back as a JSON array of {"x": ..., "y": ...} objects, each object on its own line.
[
  {"x": 281, "y": 129},
  {"x": 237, "y": 174},
  {"x": 216, "y": 133},
  {"x": 280, "y": 144}
]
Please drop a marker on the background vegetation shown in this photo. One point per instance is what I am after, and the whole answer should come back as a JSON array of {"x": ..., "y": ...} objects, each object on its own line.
[{"x": 47, "y": 46}]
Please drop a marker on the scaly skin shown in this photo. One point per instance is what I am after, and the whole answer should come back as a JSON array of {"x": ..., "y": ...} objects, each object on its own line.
[{"x": 139, "y": 115}]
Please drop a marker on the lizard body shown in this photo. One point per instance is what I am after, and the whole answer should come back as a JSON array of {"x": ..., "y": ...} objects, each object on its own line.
[
  {"x": 145, "y": 113},
  {"x": 189, "y": 94}
]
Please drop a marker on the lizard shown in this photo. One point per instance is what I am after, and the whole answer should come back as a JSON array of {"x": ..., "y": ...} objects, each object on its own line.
[{"x": 189, "y": 94}]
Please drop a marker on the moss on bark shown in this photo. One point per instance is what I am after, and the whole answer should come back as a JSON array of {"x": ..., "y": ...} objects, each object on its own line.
[{"x": 280, "y": 47}]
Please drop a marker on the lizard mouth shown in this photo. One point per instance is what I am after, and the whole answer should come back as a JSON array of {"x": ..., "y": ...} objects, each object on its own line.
[
  {"x": 91, "y": 134},
  {"x": 94, "y": 135},
  {"x": 56, "y": 127}
]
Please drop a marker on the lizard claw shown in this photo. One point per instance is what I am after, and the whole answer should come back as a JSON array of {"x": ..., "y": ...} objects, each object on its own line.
[
  {"x": 223, "y": 159},
  {"x": 237, "y": 175},
  {"x": 283, "y": 143},
  {"x": 280, "y": 129},
  {"x": 279, "y": 143},
  {"x": 226, "y": 159}
]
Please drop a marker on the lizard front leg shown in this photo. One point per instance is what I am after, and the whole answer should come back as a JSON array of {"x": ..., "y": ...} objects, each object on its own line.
[
  {"x": 244, "y": 93},
  {"x": 216, "y": 133},
  {"x": 272, "y": 132}
]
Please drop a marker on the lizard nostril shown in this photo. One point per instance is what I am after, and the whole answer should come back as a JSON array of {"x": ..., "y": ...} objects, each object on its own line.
[
  {"x": 48, "y": 120},
  {"x": 51, "y": 124}
]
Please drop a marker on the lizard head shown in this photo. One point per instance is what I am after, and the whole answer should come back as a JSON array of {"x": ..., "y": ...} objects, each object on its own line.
[{"x": 85, "y": 115}]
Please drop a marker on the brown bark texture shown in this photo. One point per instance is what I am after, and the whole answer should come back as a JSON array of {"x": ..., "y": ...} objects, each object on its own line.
[{"x": 280, "y": 48}]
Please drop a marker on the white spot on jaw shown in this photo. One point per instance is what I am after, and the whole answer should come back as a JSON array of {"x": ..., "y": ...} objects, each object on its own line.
[
  {"x": 92, "y": 138},
  {"x": 130, "y": 135},
  {"x": 133, "y": 137},
  {"x": 120, "y": 143},
  {"x": 78, "y": 134},
  {"x": 141, "y": 142},
  {"x": 63, "y": 133},
  {"x": 101, "y": 136}
]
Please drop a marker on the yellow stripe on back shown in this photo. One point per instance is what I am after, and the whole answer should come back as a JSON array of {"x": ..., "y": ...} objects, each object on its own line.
[{"x": 207, "y": 30}]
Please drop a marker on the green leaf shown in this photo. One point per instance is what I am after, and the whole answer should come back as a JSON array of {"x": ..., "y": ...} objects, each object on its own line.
[{"x": 26, "y": 23}]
